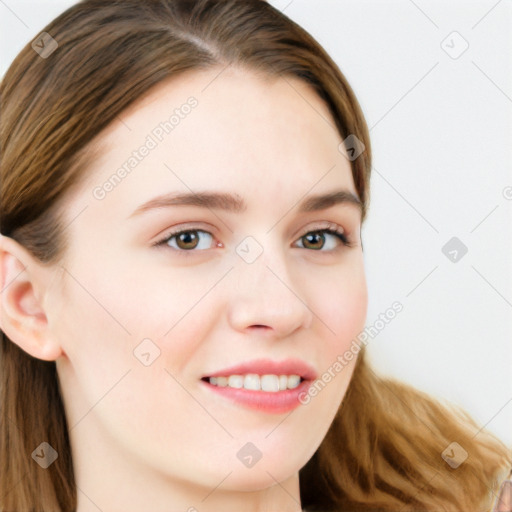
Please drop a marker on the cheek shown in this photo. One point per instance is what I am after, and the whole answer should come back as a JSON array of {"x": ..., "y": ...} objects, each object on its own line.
[
  {"x": 108, "y": 312},
  {"x": 106, "y": 333},
  {"x": 342, "y": 309},
  {"x": 97, "y": 342}
]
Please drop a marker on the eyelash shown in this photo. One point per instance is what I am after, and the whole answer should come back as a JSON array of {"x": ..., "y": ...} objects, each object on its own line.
[{"x": 331, "y": 229}]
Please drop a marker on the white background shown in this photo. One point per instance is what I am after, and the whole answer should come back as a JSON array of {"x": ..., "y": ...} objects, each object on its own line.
[{"x": 441, "y": 135}]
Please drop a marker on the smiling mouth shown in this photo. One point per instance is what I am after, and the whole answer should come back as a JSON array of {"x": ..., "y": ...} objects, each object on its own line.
[
  {"x": 264, "y": 385},
  {"x": 269, "y": 383}
]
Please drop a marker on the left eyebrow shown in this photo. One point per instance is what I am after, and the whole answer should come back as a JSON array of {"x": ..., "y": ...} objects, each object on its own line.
[{"x": 234, "y": 203}]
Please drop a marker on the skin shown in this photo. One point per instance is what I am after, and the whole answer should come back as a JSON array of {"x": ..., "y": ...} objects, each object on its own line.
[{"x": 154, "y": 431}]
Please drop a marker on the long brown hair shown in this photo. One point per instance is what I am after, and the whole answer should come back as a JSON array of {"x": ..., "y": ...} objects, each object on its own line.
[{"x": 384, "y": 448}]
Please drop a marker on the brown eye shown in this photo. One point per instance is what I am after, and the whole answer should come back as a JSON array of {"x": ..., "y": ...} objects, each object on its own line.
[
  {"x": 187, "y": 240},
  {"x": 316, "y": 240}
]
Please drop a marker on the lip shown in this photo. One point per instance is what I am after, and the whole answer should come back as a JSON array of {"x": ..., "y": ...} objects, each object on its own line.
[{"x": 278, "y": 402}]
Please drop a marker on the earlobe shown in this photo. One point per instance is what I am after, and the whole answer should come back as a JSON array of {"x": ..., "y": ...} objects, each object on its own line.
[{"x": 22, "y": 316}]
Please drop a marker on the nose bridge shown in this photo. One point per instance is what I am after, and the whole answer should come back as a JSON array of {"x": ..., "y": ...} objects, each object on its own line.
[
  {"x": 264, "y": 292},
  {"x": 261, "y": 272}
]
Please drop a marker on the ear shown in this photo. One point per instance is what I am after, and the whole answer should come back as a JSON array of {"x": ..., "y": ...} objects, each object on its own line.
[{"x": 23, "y": 282}]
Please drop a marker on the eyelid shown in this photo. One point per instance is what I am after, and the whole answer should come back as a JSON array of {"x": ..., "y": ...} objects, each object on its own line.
[
  {"x": 320, "y": 225},
  {"x": 187, "y": 226}
]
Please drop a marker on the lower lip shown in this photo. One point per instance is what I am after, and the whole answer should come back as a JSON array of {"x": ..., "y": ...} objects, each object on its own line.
[{"x": 277, "y": 402}]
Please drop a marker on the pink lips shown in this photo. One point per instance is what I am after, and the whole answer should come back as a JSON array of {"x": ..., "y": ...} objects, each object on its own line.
[{"x": 270, "y": 402}]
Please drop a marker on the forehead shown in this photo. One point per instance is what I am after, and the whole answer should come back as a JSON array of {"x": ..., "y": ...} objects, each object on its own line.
[{"x": 224, "y": 128}]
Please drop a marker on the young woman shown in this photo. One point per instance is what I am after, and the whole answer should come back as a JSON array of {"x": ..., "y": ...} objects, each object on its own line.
[{"x": 183, "y": 185}]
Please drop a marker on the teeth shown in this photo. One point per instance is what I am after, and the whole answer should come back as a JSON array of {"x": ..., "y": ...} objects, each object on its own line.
[
  {"x": 270, "y": 383},
  {"x": 222, "y": 382},
  {"x": 254, "y": 382},
  {"x": 293, "y": 381},
  {"x": 235, "y": 381}
]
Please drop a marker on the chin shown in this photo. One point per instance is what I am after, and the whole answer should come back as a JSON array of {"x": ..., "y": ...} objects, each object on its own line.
[{"x": 256, "y": 478}]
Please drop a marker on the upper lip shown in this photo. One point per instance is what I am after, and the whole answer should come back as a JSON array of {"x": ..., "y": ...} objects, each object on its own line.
[{"x": 269, "y": 367}]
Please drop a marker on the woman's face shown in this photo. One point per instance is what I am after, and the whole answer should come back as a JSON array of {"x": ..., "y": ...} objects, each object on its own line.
[{"x": 142, "y": 325}]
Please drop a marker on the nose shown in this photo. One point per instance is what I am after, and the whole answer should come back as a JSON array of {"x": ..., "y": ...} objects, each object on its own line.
[{"x": 265, "y": 295}]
